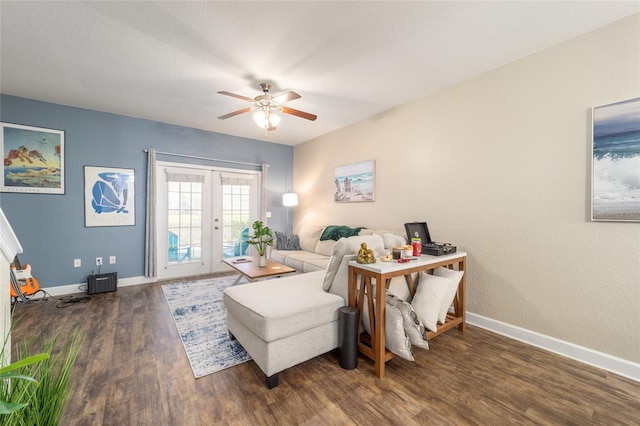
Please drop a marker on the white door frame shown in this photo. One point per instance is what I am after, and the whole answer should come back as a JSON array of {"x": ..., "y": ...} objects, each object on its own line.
[{"x": 211, "y": 260}]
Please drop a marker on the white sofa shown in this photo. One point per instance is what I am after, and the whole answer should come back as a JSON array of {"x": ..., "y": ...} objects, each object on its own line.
[
  {"x": 283, "y": 322},
  {"x": 314, "y": 253}
]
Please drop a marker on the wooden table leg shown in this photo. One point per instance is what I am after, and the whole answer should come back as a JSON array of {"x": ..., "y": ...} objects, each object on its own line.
[{"x": 379, "y": 343}]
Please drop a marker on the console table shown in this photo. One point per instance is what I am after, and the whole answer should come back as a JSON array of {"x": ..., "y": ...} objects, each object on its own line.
[{"x": 382, "y": 272}]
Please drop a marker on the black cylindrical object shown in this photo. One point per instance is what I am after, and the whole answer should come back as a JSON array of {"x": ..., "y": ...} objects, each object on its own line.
[{"x": 348, "y": 337}]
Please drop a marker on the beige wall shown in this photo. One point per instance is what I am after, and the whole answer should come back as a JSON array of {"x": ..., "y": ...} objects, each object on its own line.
[{"x": 500, "y": 166}]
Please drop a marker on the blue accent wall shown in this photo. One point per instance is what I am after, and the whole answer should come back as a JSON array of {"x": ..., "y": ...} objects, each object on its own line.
[{"x": 51, "y": 227}]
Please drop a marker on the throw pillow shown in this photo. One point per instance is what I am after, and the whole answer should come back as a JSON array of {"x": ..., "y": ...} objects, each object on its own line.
[
  {"x": 428, "y": 299},
  {"x": 285, "y": 241},
  {"x": 454, "y": 278},
  {"x": 374, "y": 242},
  {"x": 340, "y": 284},
  {"x": 393, "y": 240},
  {"x": 399, "y": 287},
  {"x": 395, "y": 338},
  {"x": 335, "y": 232},
  {"x": 325, "y": 247},
  {"x": 413, "y": 328},
  {"x": 340, "y": 249}
]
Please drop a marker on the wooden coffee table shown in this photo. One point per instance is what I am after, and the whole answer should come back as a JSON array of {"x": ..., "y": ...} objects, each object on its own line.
[{"x": 248, "y": 267}]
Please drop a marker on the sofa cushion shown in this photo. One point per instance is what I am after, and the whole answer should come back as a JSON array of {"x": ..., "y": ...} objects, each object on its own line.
[
  {"x": 316, "y": 264},
  {"x": 309, "y": 236},
  {"x": 325, "y": 247},
  {"x": 277, "y": 308},
  {"x": 280, "y": 256},
  {"x": 286, "y": 241},
  {"x": 297, "y": 259}
]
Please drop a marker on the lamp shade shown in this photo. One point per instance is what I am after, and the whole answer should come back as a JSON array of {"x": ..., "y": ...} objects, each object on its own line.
[{"x": 290, "y": 199}]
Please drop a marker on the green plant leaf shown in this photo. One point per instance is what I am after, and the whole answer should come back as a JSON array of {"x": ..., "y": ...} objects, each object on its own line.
[
  {"x": 9, "y": 407},
  {"x": 33, "y": 359}
]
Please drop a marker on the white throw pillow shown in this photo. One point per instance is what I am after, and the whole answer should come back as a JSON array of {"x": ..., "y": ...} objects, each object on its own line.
[
  {"x": 399, "y": 287},
  {"x": 393, "y": 240},
  {"x": 454, "y": 278},
  {"x": 374, "y": 242},
  {"x": 340, "y": 284},
  {"x": 340, "y": 249},
  {"x": 325, "y": 247},
  {"x": 428, "y": 299}
]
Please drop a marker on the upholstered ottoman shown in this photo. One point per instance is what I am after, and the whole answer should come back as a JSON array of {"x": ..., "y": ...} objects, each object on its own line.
[{"x": 283, "y": 322}]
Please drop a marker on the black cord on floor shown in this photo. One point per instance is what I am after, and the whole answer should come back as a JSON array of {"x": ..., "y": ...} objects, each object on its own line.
[{"x": 64, "y": 301}]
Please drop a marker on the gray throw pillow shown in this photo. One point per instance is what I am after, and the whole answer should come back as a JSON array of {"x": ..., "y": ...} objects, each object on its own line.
[
  {"x": 412, "y": 325},
  {"x": 397, "y": 340},
  {"x": 285, "y": 241}
]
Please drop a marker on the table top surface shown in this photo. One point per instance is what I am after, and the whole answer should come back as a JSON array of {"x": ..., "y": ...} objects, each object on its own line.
[
  {"x": 394, "y": 265},
  {"x": 248, "y": 266}
]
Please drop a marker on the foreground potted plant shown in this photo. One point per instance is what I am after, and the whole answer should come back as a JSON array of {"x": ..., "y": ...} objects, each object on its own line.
[
  {"x": 262, "y": 238},
  {"x": 36, "y": 389}
]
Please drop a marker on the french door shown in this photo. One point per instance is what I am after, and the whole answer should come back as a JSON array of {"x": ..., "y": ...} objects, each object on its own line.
[{"x": 202, "y": 215}]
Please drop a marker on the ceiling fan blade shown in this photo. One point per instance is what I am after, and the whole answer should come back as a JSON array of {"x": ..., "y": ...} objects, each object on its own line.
[
  {"x": 289, "y": 96},
  {"x": 244, "y": 98},
  {"x": 298, "y": 113},
  {"x": 234, "y": 113}
]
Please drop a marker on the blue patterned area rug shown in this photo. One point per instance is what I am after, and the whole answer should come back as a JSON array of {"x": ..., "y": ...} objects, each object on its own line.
[{"x": 201, "y": 319}]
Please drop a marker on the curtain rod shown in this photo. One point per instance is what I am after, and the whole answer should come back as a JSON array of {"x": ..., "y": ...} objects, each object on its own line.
[{"x": 206, "y": 158}]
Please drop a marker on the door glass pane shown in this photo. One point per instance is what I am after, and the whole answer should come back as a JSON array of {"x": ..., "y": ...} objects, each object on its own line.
[
  {"x": 235, "y": 218},
  {"x": 184, "y": 220}
]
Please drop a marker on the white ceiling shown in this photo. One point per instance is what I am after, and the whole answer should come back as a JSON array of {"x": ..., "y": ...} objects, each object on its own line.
[{"x": 165, "y": 60}]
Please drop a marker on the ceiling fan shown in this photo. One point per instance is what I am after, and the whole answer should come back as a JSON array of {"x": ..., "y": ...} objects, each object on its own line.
[{"x": 265, "y": 108}]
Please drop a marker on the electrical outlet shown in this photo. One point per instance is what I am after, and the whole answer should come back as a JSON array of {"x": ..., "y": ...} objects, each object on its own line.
[
  {"x": 77, "y": 263},
  {"x": 98, "y": 261},
  {"x": 112, "y": 260}
]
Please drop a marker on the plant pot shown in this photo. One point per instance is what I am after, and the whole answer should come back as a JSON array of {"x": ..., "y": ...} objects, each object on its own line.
[{"x": 262, "y": 261}]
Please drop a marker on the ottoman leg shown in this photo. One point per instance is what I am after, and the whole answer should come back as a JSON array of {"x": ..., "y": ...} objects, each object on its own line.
[{"x": 272, "y": 381}]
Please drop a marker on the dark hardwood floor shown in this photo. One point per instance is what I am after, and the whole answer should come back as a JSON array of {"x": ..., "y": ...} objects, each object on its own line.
[{"x": 133, "y": 371}]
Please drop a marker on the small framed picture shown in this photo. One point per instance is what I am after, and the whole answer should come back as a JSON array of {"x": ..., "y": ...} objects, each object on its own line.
[
  {"x": 354, "y": 182},
  {"x": 33, "y": 159},
  {"x": 109, "y": 198}
]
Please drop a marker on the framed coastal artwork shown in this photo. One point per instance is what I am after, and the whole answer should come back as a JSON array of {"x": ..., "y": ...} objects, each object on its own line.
[
  {"x": 616, "y": 162},
  {"x": 109, "y": 198},
  {"x": 355, "y": 182},
  {"x": 33, "y": 159}
]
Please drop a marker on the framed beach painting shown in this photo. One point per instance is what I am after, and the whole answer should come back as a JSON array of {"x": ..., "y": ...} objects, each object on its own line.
[
  {"x": 355, "y": 182},
  {"x": 33, "y": 159},
  {"x": 616, "y": 162},
  {"x": 109, "y": 196}
]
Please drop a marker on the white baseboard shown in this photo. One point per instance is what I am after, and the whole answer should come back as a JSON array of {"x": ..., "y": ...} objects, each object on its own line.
[
  {"x": 619, "y": 366},
  {"x": 82, "y": 288}
]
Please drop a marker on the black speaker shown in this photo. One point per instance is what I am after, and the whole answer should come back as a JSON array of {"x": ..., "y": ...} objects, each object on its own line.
[{"x": 102, "y": 283}]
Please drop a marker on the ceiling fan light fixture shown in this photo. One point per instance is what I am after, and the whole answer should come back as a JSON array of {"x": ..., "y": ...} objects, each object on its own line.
[{"x": 265, "y": 119}]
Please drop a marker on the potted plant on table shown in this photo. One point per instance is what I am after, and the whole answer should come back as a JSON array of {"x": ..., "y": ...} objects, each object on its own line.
[{"x": 262, "y": 238}]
